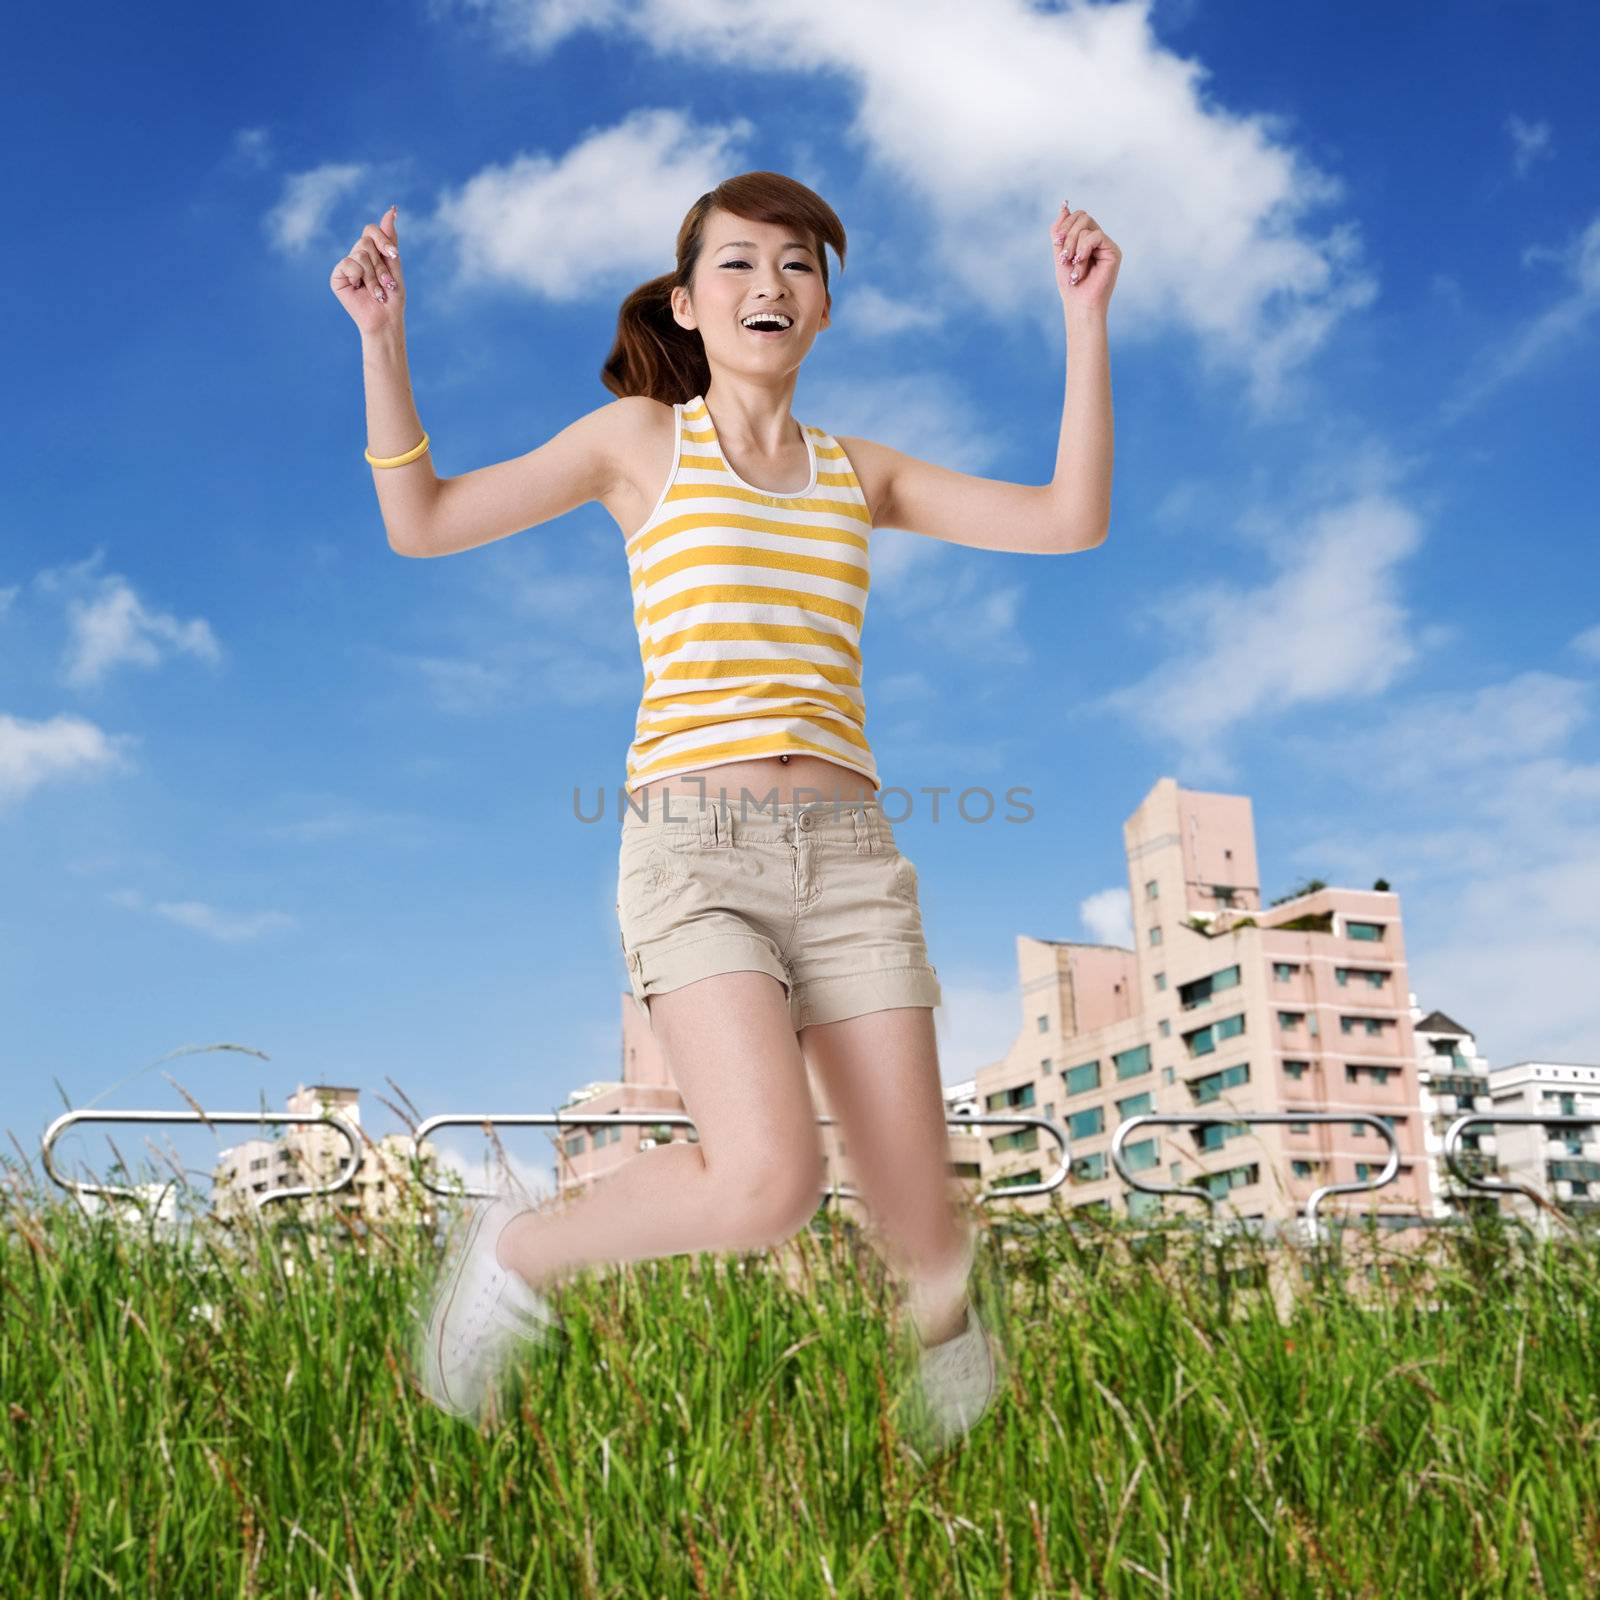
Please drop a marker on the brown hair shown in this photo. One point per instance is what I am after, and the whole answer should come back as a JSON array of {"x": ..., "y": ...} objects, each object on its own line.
[{"x": 652, "y": 354}]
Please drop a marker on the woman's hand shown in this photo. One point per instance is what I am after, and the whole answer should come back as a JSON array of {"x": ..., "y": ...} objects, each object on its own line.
[
  {"x": 1085, "y": 283},
  {"x": 368, "y": 282}
]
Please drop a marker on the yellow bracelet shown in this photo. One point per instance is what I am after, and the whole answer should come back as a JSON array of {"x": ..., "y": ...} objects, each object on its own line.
[{"x": 399, "y": 461}]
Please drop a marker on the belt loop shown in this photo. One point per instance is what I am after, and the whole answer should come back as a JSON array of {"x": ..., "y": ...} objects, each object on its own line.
[
  {"x": 708, "y": 825},
  {"x": 863, "y": 831}
]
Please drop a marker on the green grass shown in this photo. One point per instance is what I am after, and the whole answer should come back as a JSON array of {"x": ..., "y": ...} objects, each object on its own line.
[{"x": 716, "y": 1426}]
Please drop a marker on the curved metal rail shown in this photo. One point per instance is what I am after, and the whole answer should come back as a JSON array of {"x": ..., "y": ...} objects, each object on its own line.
[
  {"x": 656, "y": 1119},
  {"x": 1189, "y": 1119},
  {"x": 1452, "y": 1142},
  {"x": 70, "y": 1118}
]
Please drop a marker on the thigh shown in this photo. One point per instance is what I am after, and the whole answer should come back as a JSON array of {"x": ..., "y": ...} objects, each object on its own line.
[
  {"x": 880, "y": 1075},
  {"x": 733, "y": 1055}
]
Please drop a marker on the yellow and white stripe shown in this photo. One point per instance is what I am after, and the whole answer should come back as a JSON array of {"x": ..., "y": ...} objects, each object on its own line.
[{"x": 749, "y": 606}]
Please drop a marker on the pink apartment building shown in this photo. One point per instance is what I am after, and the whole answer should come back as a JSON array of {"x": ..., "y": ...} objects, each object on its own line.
[{"x": 1221, "y": 1005}]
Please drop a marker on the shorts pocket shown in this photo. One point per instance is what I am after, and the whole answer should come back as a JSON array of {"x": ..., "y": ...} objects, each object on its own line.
[{"x": 905, "y": 878}]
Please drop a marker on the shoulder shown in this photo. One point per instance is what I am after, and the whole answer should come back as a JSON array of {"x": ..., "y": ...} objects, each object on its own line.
[
  {"x": 629, "y": 428},
  {"x": 873, "y": 465}
]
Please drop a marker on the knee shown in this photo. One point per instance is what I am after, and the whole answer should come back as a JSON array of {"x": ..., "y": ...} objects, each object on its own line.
[{"x": 775, "y": 1206}]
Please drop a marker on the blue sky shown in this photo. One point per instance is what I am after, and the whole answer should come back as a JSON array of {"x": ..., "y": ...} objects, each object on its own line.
[{"x": 263, "y": 781}]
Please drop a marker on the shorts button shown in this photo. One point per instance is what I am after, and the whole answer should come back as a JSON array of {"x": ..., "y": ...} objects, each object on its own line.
[{"x": 805, "y": 819}]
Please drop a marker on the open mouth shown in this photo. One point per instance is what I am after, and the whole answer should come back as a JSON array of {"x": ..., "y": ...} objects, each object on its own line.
[{"x": 766, "y": 328}]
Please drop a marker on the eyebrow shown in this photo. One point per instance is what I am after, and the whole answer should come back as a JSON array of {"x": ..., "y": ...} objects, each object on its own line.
[{"x": 750, "y": 244}]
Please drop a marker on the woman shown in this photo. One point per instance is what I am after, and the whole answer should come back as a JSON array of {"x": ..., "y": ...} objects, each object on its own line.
[{"x": 767, "y": 915}]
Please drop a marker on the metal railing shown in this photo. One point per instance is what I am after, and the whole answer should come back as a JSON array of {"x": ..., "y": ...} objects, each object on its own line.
[
  {"x": 679, "y": 1119},
  {"x": 644, "y": 1117},
  {"x": 1231, "y": 1118},
  {"x": 1452, "y": 1148},
  {"x": 69, "y": 1119}
]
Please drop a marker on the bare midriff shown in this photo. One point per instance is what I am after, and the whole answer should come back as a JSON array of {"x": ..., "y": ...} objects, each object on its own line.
[{"x": 763, "y": 778}]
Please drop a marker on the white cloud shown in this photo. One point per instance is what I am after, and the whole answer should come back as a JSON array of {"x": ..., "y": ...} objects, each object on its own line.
[
  {"x": 983, "y": 120},
  {"x": 34, "y": 753},
  {"x": 1529, "y": 141},
  {"x": 484, "y": 1169},
  {"x": 1491, "y": 839},
  {"x": 109, "y": 625},
  {"x": 604, "y": 212},
  {"x": 1108, "y": 917},
  {"x": 196, "y": 915},
  {"x": 305, "y": 208},
  {"x": 976, "y": 1025},
  {"x": 1330, "y": 625},
  {"x": 1551, "y": 333}
]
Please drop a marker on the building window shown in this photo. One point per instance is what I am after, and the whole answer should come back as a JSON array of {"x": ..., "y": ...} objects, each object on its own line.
[
  {"x": 1167, "y": 1074},
  {"x": 1152, "y": 890},
  {"x": 1291, "y": 1019},
  {"x": 1213, "y": 1083},
  {"x": 1219, "y": 1183},
  {"x": 1202, "y": 1041},
  {"x": 1283, "y": 971},
  {"x": 1087, "y": 1123},
  {"x": 1164, "y": 1028},
  {"x": 1136, "y": 1105},
  {"x": 1085, "y": 1169},
  {"x": 1132, "y": 1063},
  {"x": 1161, "y": 982},
  {"x": 1201, "y": 989},
  {"x": 1296, "y": 1069},
  {"x": 1155, "y": 935},
  {"x": 1140, "y": 1156},
  {"x": 1081, "y": 1078},
  {"x": 1363, "y": 930},
  {"x": 1355, "y": 1072},
  {"x": 1044, "y": 1024},
  {"x": 1009, "y": 1099}
]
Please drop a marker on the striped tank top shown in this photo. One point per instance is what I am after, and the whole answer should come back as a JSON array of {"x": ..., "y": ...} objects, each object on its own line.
[{"x": 748, "y": 606}]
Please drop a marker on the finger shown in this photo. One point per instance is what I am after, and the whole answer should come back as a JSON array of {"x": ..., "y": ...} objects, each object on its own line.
[
  {"x": 1084, "y": 251},
  {"x": 1082, "y": 223},
  {"x": 371, "y": 272},
  {"x": 1069, "y": 230},
  {"x": 387, "y": 268}
]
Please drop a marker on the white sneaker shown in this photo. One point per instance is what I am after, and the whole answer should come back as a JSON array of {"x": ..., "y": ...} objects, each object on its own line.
[
  {"x": 957, "y": 1382},
  {"x": 958, "y": 1379},
  {"x": 479, "y": 1310}
]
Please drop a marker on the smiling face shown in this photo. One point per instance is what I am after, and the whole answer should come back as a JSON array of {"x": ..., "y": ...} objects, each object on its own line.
[{"x": 747, "y": 267}]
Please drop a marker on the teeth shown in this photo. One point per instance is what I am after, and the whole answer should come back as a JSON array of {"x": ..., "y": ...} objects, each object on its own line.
[{"x": 768, "y": 316}]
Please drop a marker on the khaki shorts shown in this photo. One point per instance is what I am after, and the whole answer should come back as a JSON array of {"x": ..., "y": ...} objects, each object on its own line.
[{"x": 816, "y": 893}]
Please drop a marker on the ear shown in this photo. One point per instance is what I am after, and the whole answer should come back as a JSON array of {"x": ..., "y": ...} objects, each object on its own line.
[{"x": 681, "y": 308}]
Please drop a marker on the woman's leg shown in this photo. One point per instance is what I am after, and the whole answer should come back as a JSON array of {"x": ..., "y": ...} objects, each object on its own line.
[
  {"x": 754, "y": 1178},
  {"x": 880, "y": 1073}
]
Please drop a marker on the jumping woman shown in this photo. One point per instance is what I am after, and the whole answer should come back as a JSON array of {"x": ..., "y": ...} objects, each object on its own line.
[{"x": 767, "y": 915}]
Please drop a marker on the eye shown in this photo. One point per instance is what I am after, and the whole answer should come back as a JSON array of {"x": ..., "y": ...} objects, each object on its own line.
[{"x": 736, "y": 262}]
